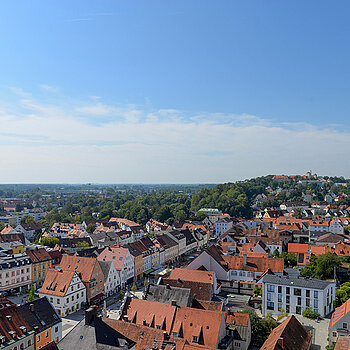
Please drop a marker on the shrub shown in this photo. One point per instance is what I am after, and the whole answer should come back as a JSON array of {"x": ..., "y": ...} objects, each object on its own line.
[{"x": 308, "y": 313}]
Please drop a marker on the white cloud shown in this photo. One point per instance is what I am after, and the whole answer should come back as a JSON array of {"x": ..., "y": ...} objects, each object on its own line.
[
  {"x": 49, "y": 88},
  {"x": 98, "y": 109},
  {"x": 54, "y": 144}
]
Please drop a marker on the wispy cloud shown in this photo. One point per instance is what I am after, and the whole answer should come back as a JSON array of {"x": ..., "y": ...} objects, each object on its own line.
[
  {"x": 49, "y": 88},
  {"x": 54, "y": 143}
]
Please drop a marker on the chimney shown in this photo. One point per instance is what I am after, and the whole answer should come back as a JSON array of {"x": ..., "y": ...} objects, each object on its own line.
[
  {"x": 90, "y": 313},
  {"x": 244, "y": 259},
  {"x": 31, "y": 307},
  {"x": 126, "y": 318},
  {"x": 144, "y": 323},
  {"x": 167, "y": 286},
  {"x": 165, "y": 335},
  {"x": 173, "y": 303}
]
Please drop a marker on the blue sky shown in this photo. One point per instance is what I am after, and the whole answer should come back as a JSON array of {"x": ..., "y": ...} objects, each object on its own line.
[{"x": 173, "y": 91}]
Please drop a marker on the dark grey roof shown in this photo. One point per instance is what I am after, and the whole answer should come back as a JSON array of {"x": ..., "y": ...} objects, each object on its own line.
[
  {"x": 11, "y": 261},
  {"x": 96, "y": 336},
  {"x": 43, "y": 315},
  {"x": 302, "y": 282},
  {"x": 105, "y": 267},
  {"x": 166, "y": 294}
]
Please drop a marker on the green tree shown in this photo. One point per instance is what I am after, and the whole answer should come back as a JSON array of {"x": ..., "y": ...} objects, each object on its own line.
[
  {"x": 257, "y": 291},
  {"x": 308, "y": 313},
  {"x": 91, "y": 228},
  {"x": 121, "y": 295},
  {"x": 31, "y": 294},
  {"x": 261, "y": 327},
  {"x": 27, "y": 219},
  {"x": 145, "y": 282},
  {"x": 297, "y": 213},
  {"x": 321, "y": 267},
  {"x": 49, "y": 241},
  {"x": 82, "y": 244},
  {"x": 342, "y": 294},
  {"x": 2, "y": 226},
  {"x": 134, "y": 288},
  {"x": 290, "y": 259}
]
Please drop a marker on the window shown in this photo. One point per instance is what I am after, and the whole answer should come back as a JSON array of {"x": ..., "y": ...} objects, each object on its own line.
[
  {"x": 280, "y": 298},
  {"x": 287, "y": 290},
  {"x": 279, "y": 289},
  {"x": 345, "y": 325},
  {"x": 279, "y": 306},
  {"x": 270, "y": 288},
  {"x": 29, "y": 342},
  {"x": 298, "y": 310},
  {"x": 316, "y": 310},
  {"x": 299, "y": 300},
  {"x": 58, "y": 300},
  {"x": 334, "y": 334},
  {"x": 316, "y": 294},
  {"x": 315, "y": 303},
  {"x": 56, "y": 329},
  {"x": 38, "y": 338},
  {"x": 308, "y": 293},
  {"x": 287, "y": 308},
  {"x": 270, "y": 305},
  {"x": 288, "y": 299},
  {"x": 269, "y": 296},
  {"x": 307, "y": 301},
  {"x": 47, "y": 334},
  {"x": 194, "y": 339},
  {"x": 297, "y": 291}
]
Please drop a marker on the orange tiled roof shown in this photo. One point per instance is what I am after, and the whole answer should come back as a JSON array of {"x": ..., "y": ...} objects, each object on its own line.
[
  {"x": 83, "y": 265},
  {"x": 116, "y": 254},
  {"x": 189, "y": 321},
  {"x": 57, "y": 282},
  {"x": 192, "y": 275},
  {"x": 237, "y": 318},
  {"x": 339, "y": 313},
  {"x": 290, "y": 335},
  {"x": 257, "y": 264}
]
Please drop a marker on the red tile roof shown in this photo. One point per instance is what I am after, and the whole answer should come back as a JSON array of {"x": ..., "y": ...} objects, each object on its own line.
[
  {"x": 290, "y": 335},
  {"x": 237, "y": 318},
  {"x": 192, "y": 275},
  {"x": 57, "y": 282},
  {"x": 83, "y": 265},
  {"x": 11, "y": 320},
  {"x": 116, "y": 254},
  {"x": 204, "y": 324},
  {"x": 339, "y": 313}
]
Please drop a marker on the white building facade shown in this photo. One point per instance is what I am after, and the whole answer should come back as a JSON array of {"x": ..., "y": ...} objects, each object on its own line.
[{"x": 295, "y": 294}]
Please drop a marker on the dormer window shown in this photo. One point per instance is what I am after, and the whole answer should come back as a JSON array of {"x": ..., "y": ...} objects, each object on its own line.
[{"x": 194, "y": 339}]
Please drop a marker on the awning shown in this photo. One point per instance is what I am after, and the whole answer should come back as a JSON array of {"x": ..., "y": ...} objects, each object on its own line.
[
  {"x": 97, "y": 297},
  {"x": 148, "y": 272}
]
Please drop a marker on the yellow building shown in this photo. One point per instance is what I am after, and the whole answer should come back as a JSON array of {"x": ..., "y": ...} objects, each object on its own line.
[{"x": 41, "y": 261}]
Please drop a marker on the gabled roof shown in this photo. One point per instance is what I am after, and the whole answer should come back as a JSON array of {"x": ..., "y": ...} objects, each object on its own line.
[
  {"x": 237, "y": 318},
  {"x": 116, "y": 254},
  {"x": 105, "y": 267},
  {"x": 32, "y": 225},
  {"x": 192, "y": 275},
  {"x": 40, "y": 314},
  {"x": 204, "y": 324},
  {"x": 167, "y": 294},
  {"x": 339, "y": 313},
  {"x": 200, "y": 290},
  {"x": 12, "y": 320},
  {"x": 38, "y": 255},
  {"x": 290, "y": 335},
  {"x": 80, "y": 264},
  {"x": 57, "y": 282}
]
